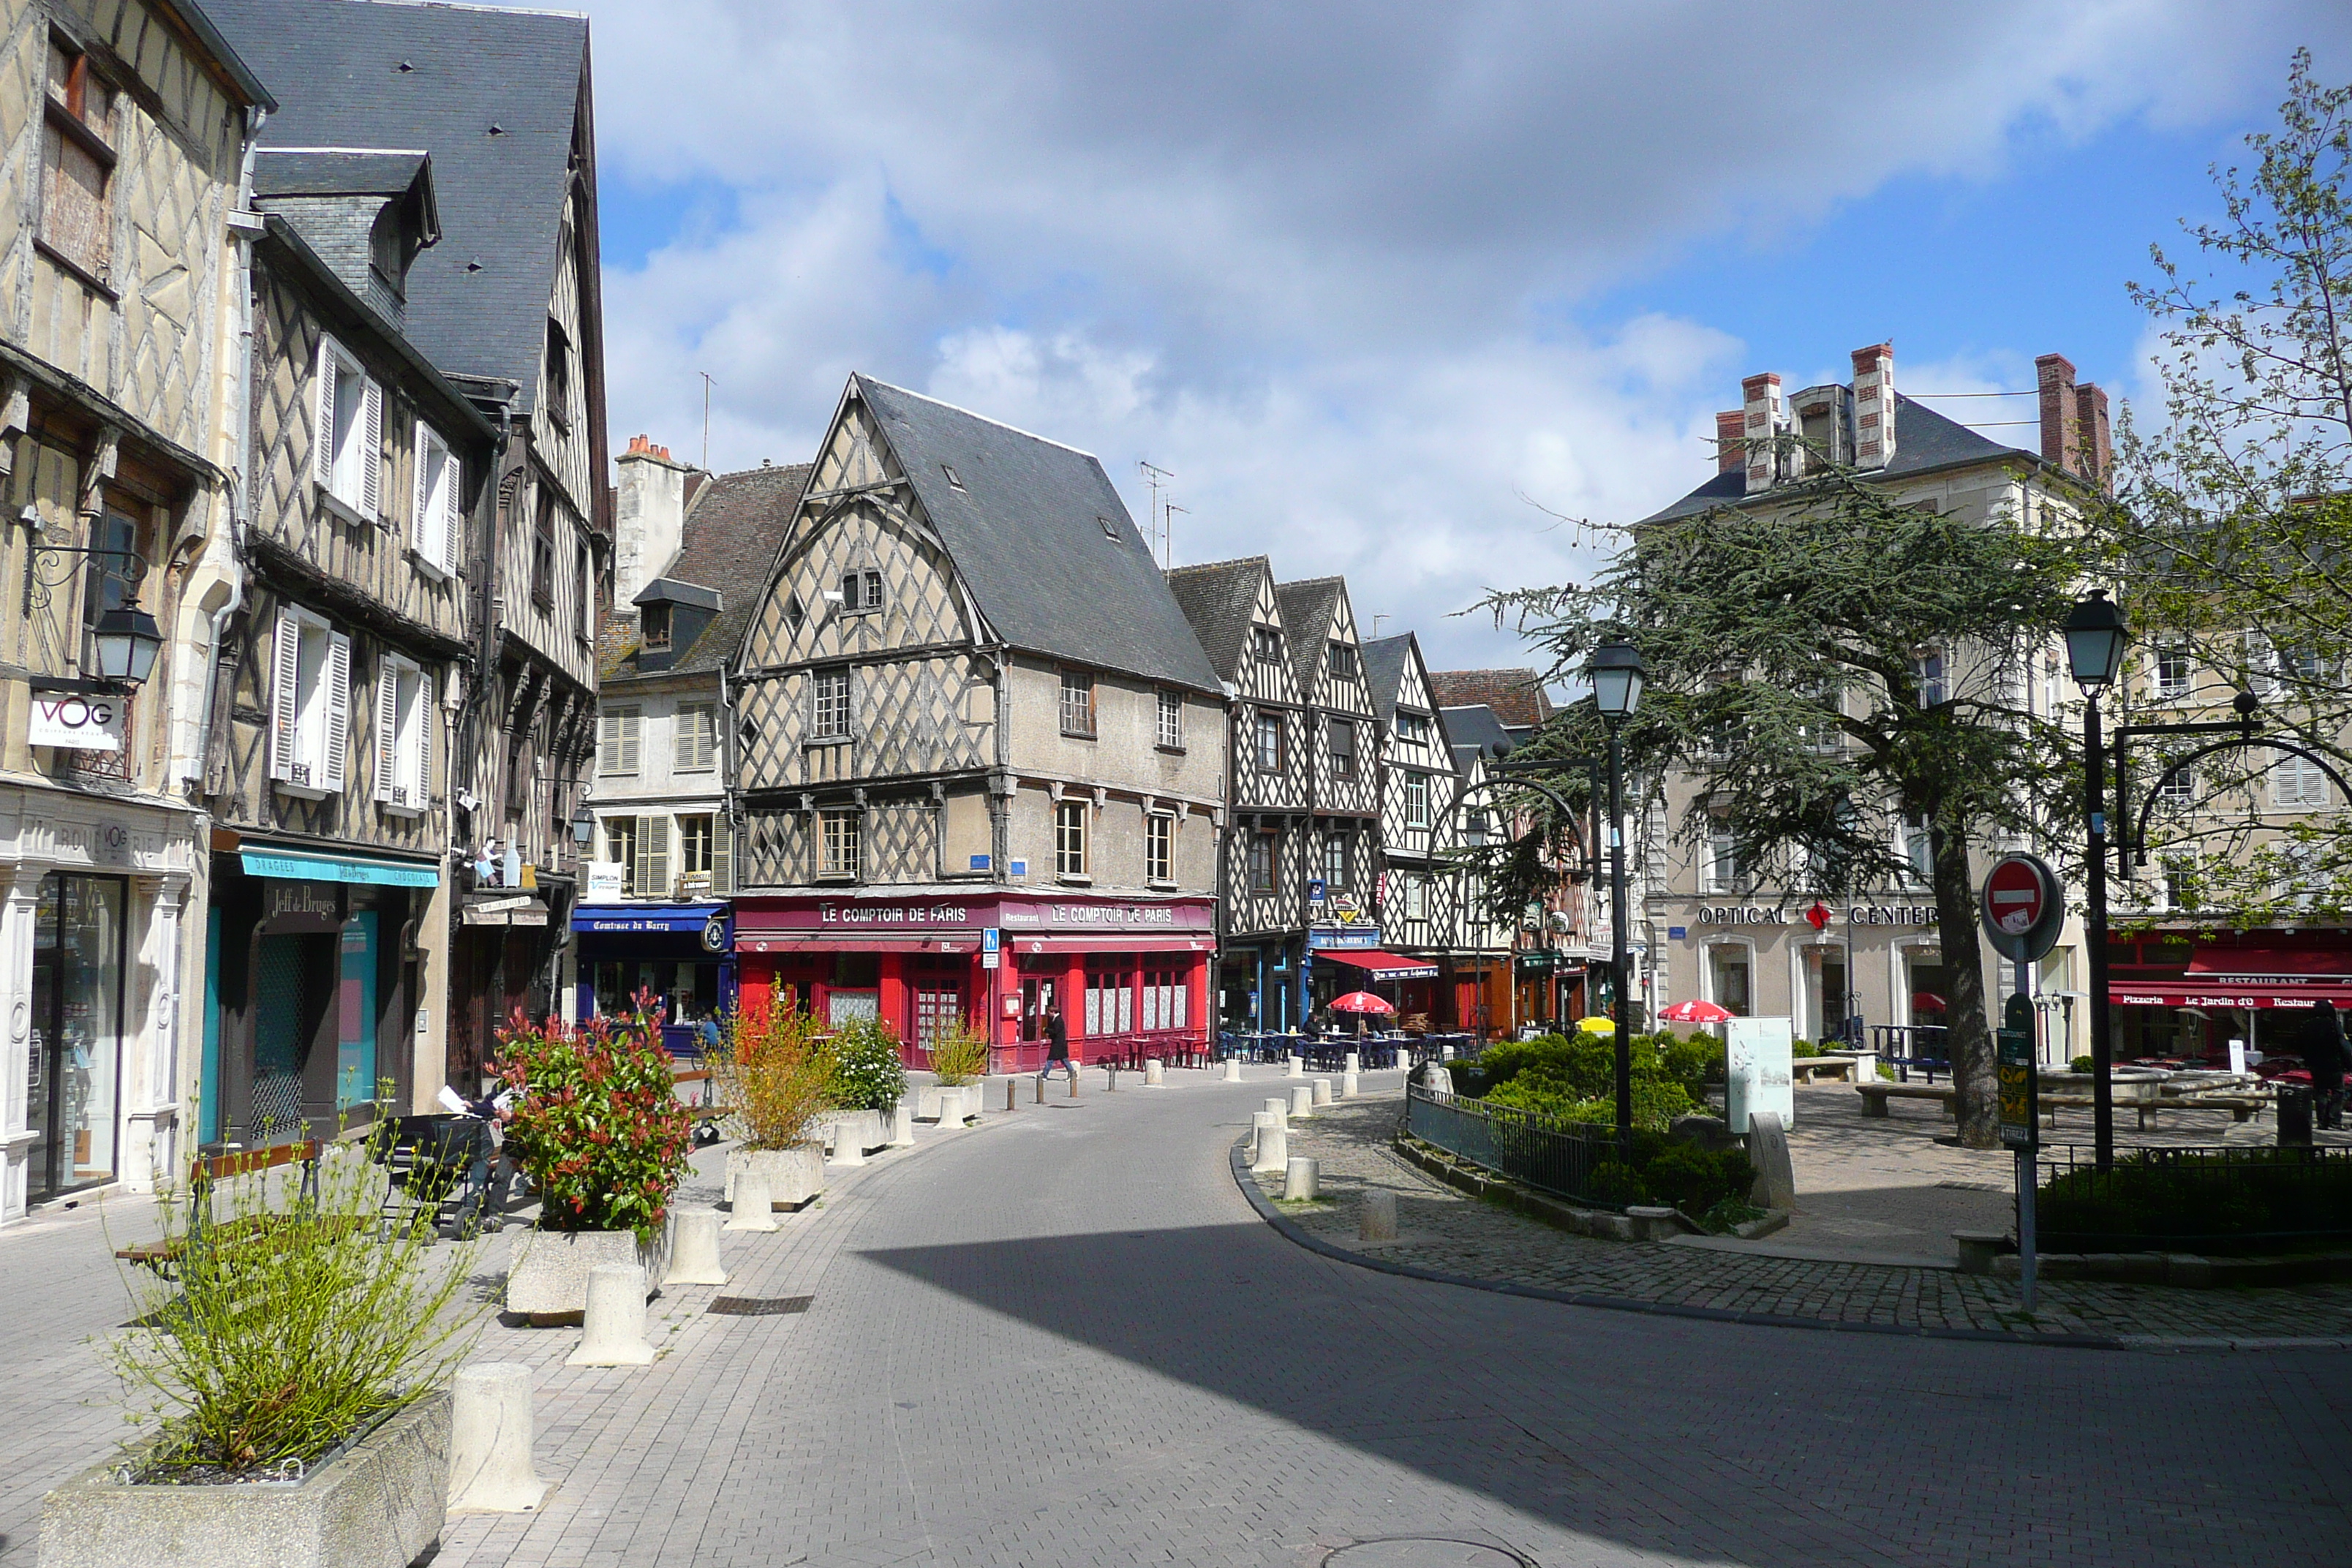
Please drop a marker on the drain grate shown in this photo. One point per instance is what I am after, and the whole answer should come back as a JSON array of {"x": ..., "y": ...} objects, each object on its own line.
[{"x": 758, "y": 1306}]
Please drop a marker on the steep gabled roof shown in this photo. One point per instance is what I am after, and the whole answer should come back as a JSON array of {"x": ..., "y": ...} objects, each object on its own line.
[
  {"x": 1517, "y": 696},
  {"x": 1471, "y": 728},
  {"x": 1220, "y": 599},
  {"x": 494, "y": 95},
  {"x": 1042, "y": 540},
  {"x": 735, "y": 523},
  {"x": 1924, "y": 440},
  {"x": 1309, "y": 608},
  {"x": 1385, "y": 662}
]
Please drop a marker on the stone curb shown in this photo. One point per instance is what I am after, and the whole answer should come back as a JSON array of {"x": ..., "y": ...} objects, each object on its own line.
[{"x": 1238, "y": 1157}]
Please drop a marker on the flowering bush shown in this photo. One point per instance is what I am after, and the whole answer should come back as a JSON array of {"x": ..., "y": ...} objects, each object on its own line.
[
  {"x": 597, "y": 1121},
  {"x": 868, "y": 1074},
  {"x": 774, "y": 1074}
]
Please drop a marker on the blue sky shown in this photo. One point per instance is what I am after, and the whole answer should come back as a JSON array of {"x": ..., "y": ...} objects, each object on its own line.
[{"x": 1366, "y": 276}]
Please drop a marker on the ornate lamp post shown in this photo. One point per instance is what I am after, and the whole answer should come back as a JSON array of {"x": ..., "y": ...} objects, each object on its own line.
[
  {"x": 2096, "y": 638},
  {"x": 1615, "y": 670}
]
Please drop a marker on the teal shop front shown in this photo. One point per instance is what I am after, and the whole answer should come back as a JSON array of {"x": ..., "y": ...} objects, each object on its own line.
[{"x": 312, "y": 986}]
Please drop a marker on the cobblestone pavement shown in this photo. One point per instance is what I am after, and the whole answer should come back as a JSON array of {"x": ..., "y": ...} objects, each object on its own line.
[
  {"x": 1444, "y": 1230},
  {"x": 1065, "y": 1338}
]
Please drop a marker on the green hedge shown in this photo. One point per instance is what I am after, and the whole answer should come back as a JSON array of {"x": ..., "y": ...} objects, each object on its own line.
[
  {"x": 2254, "y": 1200},
  {"x": 1568, "y": 1075}
]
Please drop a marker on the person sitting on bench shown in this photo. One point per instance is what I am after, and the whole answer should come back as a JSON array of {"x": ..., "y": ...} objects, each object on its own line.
[{"x": 488, "y": 1169}]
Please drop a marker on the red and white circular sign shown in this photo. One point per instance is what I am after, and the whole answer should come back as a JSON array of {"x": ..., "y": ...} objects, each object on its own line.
[{"x": 2016, "y": 895}]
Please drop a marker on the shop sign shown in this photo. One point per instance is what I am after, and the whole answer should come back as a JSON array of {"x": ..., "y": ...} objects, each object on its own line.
[
  {"x": 1739, "y": 915},
  {"x": 305, "y": 898},
  {"x": 1539, "y": 961},
  {"x": 1343, "y": 936},
  {"x": 608, "y": 881},
  {"x": 1891, "y": 915},
  {"x": 891, "y": 914},
  {"x": 84, "y": 723}
]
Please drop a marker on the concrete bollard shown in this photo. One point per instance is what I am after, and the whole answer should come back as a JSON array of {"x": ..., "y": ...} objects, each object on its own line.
[
  {"x": 1279, "y": 1104},
  {"x": 1155, "y": 1075},
  {"x": 1298, "y": 1180},
  {"x": 1350, "y": 1086},
  {"x": 754, "y": 1208},
  {"x": 694, "y": 1247},
  {"x": 1272, "y": 1149},
  {"x": 1111, "y": 1071},
  {"x": 902, "y": 1126},
  {"x": 1259, "y": 1121},
  {"x": 1355, "y": 1063},
  {"x": 845, "y": 1151},
  {"x": 490, "y": 1431},
  {"x": 1448, "y": 1052},
  {"x": 1302, "y": 1100},
  {"x": 1295, "y": 1067},
  {"x": 1041, "y": 1089},
  {"x": 1322, "y": 1092},
  {"x": 1232, "y": 1069},
  {"x": 1010, "y": 1103},
  {"x": 1378, "y": 1222},
  {"x": 1073, "y": 1085},
  {"x": 615, "y": 1320}
]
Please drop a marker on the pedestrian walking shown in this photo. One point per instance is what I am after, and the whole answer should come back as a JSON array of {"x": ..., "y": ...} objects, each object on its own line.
[
  {"x": 1057, "y": 1044},
  {"x": 2324, "y": 1055}
]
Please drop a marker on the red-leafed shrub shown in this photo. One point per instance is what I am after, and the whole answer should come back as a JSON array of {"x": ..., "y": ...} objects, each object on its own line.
[{"x": 598, "y": 1125}]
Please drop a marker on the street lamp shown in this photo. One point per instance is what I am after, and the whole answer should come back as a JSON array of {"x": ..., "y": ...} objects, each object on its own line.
[
  {"x": 1615, "y": 671},
  {"x": 583, "y": 826},
  {"x": 128, "y": 641},
  {"x": 2096, "y": 637}
]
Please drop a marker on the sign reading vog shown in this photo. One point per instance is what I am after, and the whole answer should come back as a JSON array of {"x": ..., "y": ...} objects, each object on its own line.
[{"x": 67, "y": 718}]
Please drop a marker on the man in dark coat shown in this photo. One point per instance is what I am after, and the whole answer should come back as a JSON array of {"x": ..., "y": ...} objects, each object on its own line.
[
  {"x": 1057, "y": 1044},
  {"x": 2323, "y": 1053}
]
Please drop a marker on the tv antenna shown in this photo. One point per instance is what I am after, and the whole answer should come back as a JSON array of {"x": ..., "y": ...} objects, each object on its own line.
[
  {"x": 705, "y": 419},
  {"x": 1156, "y": 523}
]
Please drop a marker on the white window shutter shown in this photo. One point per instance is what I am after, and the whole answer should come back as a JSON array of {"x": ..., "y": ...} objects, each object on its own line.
[
  {"x": 387, "y": 729},
  {"x": 285, "y": 694},
  {"x": 631, "y": 722},
  {"x": 371, "y": 440},
  {"x": 452, "y": 520},
  {"x": 336, "y": 733},
  {"x": 655, "y": 837},
  {"x": 722, "y": 853},
  {"x": 420, "y": 754},
  {"x": 322, "y": 437},
  {"x": 422, "y": 526}
]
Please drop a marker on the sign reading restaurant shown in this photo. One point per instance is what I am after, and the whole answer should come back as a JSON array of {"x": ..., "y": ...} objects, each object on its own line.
[{"x": 1858, "y": 914}]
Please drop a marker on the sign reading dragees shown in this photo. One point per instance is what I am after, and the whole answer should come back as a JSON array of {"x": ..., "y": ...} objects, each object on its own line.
[{"x": 292, "y": 867}]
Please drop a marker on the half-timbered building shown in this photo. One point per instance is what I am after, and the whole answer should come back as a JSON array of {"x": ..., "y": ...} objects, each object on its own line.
[
  {"x": 507, "y": 307},
  {"x": 327, "y": 768},
  {"x": 969, "y": 712},
  {"x": 122, "y": 125},
  {"x": 1265, "y": 848},
  {"x": 1420, "y": 888}
]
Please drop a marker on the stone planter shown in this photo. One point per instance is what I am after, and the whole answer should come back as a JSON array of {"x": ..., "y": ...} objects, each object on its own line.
[
  {"x": 377, "y": 1505},
  {"x": 947, "y": 1106},
  {"x": 865, "y": 1128},
  {"x": 548, "y": 1281},
  {"x": 795, "y": 1175}
]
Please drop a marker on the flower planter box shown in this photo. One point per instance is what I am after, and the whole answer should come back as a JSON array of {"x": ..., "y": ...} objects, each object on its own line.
[
  {"x": 795, "y": 1175},
  {"x": 377, "y": 1505},
  {"x": 865, "y": 1128},
  {"x": 947, "y": 1106},
  {"x": 548, "y": 1282}
]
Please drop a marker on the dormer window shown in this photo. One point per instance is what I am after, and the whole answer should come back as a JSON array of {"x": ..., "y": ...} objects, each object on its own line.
[
  {"x": 1266, "y": 644},
  {"x": 954, "y": 483},
  {"x": 654, "y": 628},
  {"x": 861, "y": 592},
  {"x": 1340, "y": 658}
]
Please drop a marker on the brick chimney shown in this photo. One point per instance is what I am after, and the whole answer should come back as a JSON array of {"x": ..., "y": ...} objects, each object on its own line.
[
  {"x": 649, "y": 518},
  {"x": 1873, "y": 406},
  {"x": 1730, "y": 449},
  {"x": 2062, "y": 431},
  {"x": 2091, "y": 421},
  {"x": 1760, "y": 423}
]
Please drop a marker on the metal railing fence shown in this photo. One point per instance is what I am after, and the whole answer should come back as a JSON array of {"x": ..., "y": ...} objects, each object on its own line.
[{"x": 1556, "y": 1157}]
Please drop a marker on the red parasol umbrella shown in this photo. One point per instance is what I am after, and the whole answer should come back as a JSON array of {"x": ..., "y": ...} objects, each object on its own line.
[
  {"x": 1362, "y": 1001},
  {"x": 1926, "y": 1001},
  {"x": 1694, "y": 1012}
]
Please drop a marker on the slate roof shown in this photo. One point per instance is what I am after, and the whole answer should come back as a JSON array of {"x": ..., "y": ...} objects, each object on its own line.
[
  {"x": 1517, "y": 696},
  {"x": 1220, "y": 597},
  {"x": 1470, "y": 727},
  {"x": 1924, "y": 440},
  {"x": 278, "y": 172},
  {"x": 337, "y": 64},
  {"x": 1385, "y": 662},
  {"x": 1308, "y": 608},
  {"x": 1041, "y": 540},
  {"x": 735, "y": 523}
]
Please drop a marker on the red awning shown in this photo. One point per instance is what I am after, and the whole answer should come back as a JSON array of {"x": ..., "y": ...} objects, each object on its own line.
[
  {"x": 2297, "y": 964},
  {"x": 1383, "y": 966},
  {"x": 2221, "y": 993}
]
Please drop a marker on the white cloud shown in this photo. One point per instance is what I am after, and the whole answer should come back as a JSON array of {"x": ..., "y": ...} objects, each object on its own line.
[{"x": 1299, "y": 254}]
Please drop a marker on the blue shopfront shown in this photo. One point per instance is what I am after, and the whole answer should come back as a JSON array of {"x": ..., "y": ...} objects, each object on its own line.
[{"x": 684, "y": 954}]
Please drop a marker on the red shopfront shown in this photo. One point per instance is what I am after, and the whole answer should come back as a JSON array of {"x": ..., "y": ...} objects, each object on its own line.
[{"x": 1131, "y": 976}]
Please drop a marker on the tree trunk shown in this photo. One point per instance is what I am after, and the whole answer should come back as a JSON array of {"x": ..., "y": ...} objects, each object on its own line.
[{"x": 1973, "y": 1075}]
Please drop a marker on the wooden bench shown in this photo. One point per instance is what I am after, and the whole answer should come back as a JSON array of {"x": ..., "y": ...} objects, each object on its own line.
[
  {"x": 1874, "y": 1096},
  {"x": 204, "y": 1175},
  {"x": 2241, "y": 1108}
]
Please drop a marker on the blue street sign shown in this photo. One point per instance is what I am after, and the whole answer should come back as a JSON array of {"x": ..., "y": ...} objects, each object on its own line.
[{"x": 988, "y": 939}]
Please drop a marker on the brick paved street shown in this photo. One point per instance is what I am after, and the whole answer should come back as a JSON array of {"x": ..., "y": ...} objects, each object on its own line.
[{"x": 1065, "y": 1336}]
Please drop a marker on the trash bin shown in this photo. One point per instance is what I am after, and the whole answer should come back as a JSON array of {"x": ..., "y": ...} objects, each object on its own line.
[{"x": 2295, "y": 1114}]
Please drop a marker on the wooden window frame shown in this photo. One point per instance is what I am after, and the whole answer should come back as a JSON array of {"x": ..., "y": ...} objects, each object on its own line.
[
  {"x": 709, "y": 748},
  {"x": 832, "y": 721},
  {"x": 1353, "y": 754},
  {"x": 1084, "y": 726},
  {"x": 1070, "y": 835},
  {"x": 841, "y": 845},
  {"x": 1172, "y": 721},
  {"x": 1160, "y": 847},
  {"x": 69, "y": 119}
]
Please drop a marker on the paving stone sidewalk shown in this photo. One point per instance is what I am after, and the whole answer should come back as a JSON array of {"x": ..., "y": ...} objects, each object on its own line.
[{"x": 1446, "y": 1231}]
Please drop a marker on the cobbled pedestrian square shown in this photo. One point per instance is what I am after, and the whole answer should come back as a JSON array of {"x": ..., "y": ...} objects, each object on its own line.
[{"x": 1065, "y": 1336}]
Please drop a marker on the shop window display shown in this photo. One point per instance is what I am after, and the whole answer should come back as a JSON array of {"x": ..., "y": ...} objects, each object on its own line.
[{"x": 75, "y": 1049}]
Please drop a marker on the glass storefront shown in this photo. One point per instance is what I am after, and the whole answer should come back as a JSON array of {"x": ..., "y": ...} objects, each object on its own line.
[{"x": 76, "y": 1031}]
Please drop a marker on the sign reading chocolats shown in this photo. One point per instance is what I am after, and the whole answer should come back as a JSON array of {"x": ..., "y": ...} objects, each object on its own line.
[{"x": 849, "y": 918}]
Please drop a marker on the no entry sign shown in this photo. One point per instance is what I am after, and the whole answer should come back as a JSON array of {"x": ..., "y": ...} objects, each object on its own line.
[{"x": 2023, "y": 908}]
